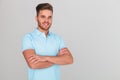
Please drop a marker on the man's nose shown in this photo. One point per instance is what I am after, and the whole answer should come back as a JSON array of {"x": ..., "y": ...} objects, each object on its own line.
[{"x": 46, "y": 19}]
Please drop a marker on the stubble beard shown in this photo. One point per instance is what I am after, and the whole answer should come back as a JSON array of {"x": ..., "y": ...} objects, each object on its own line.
[{"x": 42, "y": 28}]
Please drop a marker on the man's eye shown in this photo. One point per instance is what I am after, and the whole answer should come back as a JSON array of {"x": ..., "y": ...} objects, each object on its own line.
[
  {"x": 50, "y": 17},
  {"x": 42, "y": 16}
]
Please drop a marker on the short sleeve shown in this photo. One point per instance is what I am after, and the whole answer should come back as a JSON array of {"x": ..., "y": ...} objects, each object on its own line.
[
  {"x": 27, "y": 42},
  {"x": 62, "y": 43}
]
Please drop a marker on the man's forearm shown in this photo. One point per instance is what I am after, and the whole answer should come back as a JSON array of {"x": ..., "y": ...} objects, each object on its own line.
[
  {"x": 63, "y": 57},
  {"x": 41, "y": 64},
  {"x": 37, "y": 62},
  {"x": 61, "y": 60}
]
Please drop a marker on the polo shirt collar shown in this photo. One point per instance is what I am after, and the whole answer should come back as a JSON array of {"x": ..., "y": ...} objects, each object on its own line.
[{"x": 37, "y": 32}]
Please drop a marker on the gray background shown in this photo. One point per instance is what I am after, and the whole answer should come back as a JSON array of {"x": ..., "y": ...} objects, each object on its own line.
[{"x": 90, "y": 28}]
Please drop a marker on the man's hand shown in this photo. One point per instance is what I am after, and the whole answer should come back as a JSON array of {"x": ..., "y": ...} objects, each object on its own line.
[
  {"x": 35, "y": 59},
  {"x": 63, "y": 51}
]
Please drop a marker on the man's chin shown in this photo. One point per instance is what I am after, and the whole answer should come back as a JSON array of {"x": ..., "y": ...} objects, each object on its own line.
[{"x": 46, "y": 29}]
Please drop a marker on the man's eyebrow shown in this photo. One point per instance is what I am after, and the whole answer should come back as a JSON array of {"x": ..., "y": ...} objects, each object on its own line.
[
  {"x": 50, "y": 16},
  {"x": 42, "y": 15}
]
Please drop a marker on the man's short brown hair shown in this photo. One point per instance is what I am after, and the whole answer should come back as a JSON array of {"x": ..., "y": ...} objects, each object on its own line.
[{"x": 43, "y": 6}]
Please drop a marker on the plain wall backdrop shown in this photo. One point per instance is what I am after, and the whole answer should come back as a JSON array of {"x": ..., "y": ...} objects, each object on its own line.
[{"x": 90, "y": 28}]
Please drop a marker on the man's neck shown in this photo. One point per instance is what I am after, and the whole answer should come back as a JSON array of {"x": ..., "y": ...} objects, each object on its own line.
[{"x": 46, "y": 32}]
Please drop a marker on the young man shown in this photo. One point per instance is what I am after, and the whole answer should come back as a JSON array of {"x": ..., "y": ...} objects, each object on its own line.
[{"x": 43, "y": 50}]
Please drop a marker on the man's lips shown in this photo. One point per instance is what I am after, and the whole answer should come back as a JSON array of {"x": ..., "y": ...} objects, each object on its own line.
[{"x": 46, "y": 24}]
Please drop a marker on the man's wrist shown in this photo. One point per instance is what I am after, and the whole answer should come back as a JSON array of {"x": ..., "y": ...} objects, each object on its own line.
[{"x": 47, "y": 58}]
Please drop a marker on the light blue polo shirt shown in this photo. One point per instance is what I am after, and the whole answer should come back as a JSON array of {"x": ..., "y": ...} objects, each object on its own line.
[{"x": 46, "y": 46}]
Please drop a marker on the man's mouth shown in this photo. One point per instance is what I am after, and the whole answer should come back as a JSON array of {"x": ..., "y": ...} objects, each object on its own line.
[{"x": 46, "y": 23}]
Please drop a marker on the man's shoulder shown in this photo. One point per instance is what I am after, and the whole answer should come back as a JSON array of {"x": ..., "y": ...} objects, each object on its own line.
[{"x": 28, "y": 35}]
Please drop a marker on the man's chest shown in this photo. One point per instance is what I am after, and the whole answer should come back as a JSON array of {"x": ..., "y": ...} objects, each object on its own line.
[{"x": 44, "y": 46}]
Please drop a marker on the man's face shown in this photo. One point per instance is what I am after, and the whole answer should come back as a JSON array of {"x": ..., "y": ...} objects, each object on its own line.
[{"x": 44, "y": 19}]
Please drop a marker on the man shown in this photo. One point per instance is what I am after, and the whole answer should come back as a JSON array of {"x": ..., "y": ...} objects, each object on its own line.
[{"x": 43, "y": 50}]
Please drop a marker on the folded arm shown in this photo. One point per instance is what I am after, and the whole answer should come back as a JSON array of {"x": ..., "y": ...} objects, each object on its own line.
[
  {"x": 35, "y": 62},
  {"x": 64, "y": 57}
]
